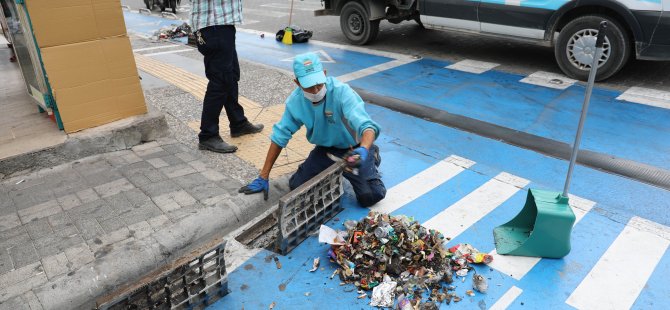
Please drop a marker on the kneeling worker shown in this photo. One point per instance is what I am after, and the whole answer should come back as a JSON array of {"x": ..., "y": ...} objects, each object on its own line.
[{"x": 336, "y": 123}]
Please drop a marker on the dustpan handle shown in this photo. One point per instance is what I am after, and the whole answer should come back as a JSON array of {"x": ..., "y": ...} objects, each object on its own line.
[{"x": 585, "y": 107}]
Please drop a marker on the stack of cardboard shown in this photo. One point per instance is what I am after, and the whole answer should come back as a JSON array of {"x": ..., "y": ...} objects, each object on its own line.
[{"x": 88, "y": 60}]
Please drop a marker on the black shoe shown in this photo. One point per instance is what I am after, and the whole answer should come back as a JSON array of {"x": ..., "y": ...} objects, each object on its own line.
[
  {"x": 377, "y": 156},
  {"x": 216, "y": 144},
  {"x": 247, "y": 128}
]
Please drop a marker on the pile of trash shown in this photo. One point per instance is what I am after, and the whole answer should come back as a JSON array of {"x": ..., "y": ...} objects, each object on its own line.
[
  {"x": 173, "y": 32},
  {"x": 396, "y": 256}
]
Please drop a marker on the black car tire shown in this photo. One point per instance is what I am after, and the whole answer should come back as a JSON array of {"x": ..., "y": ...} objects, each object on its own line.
[
  {"x": 149, "y": 4},
  {"x": 356, "y": 24},
  {"x": 619, "y": 48}
]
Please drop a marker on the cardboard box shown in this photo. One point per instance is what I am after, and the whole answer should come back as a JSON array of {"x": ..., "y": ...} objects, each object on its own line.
[
  {"x": 59, "y": 22},
  {"x": 94, "y": 82}
]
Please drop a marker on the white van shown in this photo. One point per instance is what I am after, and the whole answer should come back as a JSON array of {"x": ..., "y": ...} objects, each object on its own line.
[{"x": 639, "y": 27}]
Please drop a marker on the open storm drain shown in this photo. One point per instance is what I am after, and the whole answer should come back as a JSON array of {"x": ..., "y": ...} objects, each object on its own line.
[
  {"x": 300, "y": 212},
  {"x": 192, "y": 282}
]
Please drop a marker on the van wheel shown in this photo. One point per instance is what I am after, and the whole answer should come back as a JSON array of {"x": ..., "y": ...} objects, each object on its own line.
[
  {"x": 356, "y": 24},
  {"x": 576, "y": 43}
]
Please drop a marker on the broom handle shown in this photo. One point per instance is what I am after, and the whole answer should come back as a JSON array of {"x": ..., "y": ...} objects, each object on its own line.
[
  {"x": 585, "y": 107},
  {"x": 290, "y": 14}
]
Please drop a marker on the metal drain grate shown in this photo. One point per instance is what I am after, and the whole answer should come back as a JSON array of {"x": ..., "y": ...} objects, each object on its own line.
[
  {"x": 196, "y": 282},
  {"x": 304, "y": 209}
]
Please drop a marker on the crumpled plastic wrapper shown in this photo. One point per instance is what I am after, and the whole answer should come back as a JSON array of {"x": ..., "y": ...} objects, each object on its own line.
[
  {"x": 383, "y": 295},
  {"x": 479, "y": 283}
]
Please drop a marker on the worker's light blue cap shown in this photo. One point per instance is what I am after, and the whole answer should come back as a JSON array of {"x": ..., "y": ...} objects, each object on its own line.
[{"x": 308, "y": 69}]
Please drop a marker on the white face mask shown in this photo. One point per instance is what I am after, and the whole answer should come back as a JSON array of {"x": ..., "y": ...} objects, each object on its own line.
[{"x": 315, "y": 98}]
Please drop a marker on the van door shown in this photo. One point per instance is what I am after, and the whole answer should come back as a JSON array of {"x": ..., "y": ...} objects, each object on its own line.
[
  {"x": 450, "y": 14},
  {"x": 518, "y": 18}
]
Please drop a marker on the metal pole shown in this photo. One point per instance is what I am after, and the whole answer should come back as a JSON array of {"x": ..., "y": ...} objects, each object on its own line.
[{"x": 585, "y": 106}]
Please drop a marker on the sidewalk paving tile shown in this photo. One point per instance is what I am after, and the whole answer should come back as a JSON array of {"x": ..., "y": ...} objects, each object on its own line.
[
  {"x": 89, "y": 228},
  {"x": 23, "y": 254},
  {"x": 79, "y": 255},
  {"x": 60, "y": 221},
  {"x": 70, "y": 201},
  {"x": 39, "y": 228},
  {"x": 45, "y": 209},
  {"x": 55, "y": 265},
  {"x": 9, "y": 221},
  {"x": 6, "y": 264},
  {"x": 54, "y": 244}
]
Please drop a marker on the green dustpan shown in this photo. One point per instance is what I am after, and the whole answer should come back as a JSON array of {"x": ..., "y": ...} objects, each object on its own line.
[
  {"x": 544, "y": 225},
  {"x": 542, "y": 228}
]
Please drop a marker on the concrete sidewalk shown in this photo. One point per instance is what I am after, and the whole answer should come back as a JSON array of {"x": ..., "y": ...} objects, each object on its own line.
[{"x": 74, "y": 232}]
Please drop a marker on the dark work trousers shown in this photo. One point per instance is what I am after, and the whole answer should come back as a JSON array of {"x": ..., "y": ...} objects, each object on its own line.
[
  {"x": 223, "y": 72},
  {"x": 368, "y": 186}
]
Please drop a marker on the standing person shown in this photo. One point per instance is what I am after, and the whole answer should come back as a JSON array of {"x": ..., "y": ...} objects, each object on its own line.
[
  {"x": 336, "y": 122},
  {"x": 214, "y": 21}
]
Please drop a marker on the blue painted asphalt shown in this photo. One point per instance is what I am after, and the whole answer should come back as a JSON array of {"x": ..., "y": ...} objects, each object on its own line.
[
  {"x": 619, "y": 128},
  {"x": 407, "y": 151},
  {"x": 622, "y": 129}
]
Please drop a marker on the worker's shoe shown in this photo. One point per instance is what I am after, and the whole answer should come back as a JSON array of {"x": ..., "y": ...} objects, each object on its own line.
[
  {"x": 375, "y": 152},
  {"x": 247, "y": 128},
  {"x": 216, "y": 144}
]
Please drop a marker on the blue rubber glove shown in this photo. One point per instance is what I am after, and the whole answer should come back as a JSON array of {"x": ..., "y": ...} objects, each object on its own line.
[
  {"x": 256, "y": 186},
  {"x": 363, "y": 152},
  {"x": 356, "y": 157}
]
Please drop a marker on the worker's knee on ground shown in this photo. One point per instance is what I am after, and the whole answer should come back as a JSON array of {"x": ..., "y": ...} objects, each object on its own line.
[
  {"x": 369, "y": 199},
  {"x": 377, "y": 193}
]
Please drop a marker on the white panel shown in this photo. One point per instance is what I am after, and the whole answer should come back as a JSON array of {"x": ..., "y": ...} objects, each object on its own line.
[
  {"x": 622, "y": 272},
  {"x": 372, "y": 70},
  {"x": 476, "y": 205},
  {"x": 513, "y": 31},
  {"x": 422, "y": 183},
  {"x": 473, "y": 66},
  {"x": 442, "y": 22},
  {"x": 507, "y": 299},
  {"x": 647, "y": 96},
  {"x": 548, "y": 79}
]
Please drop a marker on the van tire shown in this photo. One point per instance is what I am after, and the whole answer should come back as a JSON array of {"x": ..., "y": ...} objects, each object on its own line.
[
  {"x": 356, "y": 24},
  {"x": 571, "y": 60}
]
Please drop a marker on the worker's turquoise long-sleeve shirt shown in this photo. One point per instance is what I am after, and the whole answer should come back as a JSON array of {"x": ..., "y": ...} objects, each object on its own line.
[{"x": 339, "y": 121}]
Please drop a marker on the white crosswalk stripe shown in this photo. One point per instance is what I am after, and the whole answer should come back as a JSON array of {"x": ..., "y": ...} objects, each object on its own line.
[
  {"x": 518, "y": 266},
  {"x": 647, "y": 96},
  {"x": 548, "y": 79},
  {"x": 507, "y": 299},
  {"x": 373, "y": 70},
  {"x": 476, "y": 205},
  {"x": 472, "y": 66},
  {"x": 422, "y": 183},
  {"x": 623, "y": 271}
]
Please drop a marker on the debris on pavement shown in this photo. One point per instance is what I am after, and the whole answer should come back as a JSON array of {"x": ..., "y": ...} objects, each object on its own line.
[
  {"x": 383, "y": 295},
  {"x": 272, "y": 305},
  {"x": 479, "y": 283},
  {"x": 395, "y": 255},
  {"x": 173, "y": 31},
  {"x": 277, "y": 262},
  {"x": 330, "y": 236},
  {"x": 315, "y": 265}
]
